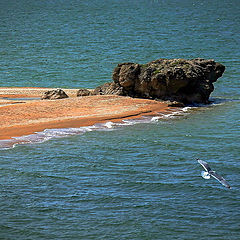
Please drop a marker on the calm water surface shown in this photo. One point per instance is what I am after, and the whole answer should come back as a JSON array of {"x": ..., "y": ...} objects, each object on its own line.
[{"x": 138, "y": 180}]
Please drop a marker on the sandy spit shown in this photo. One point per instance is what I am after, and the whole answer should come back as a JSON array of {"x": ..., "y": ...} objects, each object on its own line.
[{"x": 18, "y": 118}]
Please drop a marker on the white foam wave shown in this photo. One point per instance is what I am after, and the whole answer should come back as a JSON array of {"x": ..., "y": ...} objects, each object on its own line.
[
  {"x": 109, "y": 125},
  {"x": 48, "y": 134},
  {"x": 176, "y": 112}
]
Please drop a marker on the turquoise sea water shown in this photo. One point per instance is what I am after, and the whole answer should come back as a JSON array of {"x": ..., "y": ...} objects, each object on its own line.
[{"x": 138, "y": 180}]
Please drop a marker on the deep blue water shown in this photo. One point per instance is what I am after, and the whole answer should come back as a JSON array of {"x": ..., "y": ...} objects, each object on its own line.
[{"x": 134, "y": 181}]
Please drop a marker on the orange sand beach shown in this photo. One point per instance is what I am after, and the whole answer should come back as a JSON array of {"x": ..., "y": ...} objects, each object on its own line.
[{"x": 23, "y": 117}]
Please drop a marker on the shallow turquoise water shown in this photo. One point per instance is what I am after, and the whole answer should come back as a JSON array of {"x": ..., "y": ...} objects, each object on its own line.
[{"x": 135, "y": 181}]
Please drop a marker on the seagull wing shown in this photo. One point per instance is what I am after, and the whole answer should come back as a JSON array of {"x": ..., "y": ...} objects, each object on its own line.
[
  {"x": 205, "y": 165},
  {"x": 219, "y": 178}
]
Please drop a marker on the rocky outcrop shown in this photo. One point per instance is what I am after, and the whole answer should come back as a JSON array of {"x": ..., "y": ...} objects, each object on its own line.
[
  {"x": 180, "y": 81},
  {"x": 177, "y": 80},
  {"x": 54, "y": 94},
  {"x": 186, "y": 81}
]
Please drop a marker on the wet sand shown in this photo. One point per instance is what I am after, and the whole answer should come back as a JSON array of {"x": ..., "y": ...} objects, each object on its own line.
[{"x": 21, "y": 117}]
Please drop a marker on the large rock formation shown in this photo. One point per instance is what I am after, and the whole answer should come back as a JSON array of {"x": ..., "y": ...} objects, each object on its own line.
[{"x": 186, "y": 81}]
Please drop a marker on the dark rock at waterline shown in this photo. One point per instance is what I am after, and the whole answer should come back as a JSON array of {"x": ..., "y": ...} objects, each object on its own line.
[
  {"x": 175, "y": 104},
  {"x": 180, "y": 80},
  {"x": 54, "y": 94}
]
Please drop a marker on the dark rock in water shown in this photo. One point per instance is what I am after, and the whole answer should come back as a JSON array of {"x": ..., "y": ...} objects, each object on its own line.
[
  {"x": 185, "y": 81},
  {"x": 83, "y": 92},
  {"x": 54, "y": 94},
  {"x": 109, "y": 89}
]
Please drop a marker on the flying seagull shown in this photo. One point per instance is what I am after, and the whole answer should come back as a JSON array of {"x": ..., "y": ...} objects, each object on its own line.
[{"x": 210, "y": 173}]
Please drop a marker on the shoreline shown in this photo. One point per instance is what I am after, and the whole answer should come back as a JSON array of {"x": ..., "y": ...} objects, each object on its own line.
[{"x": 19, "y": 118}]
